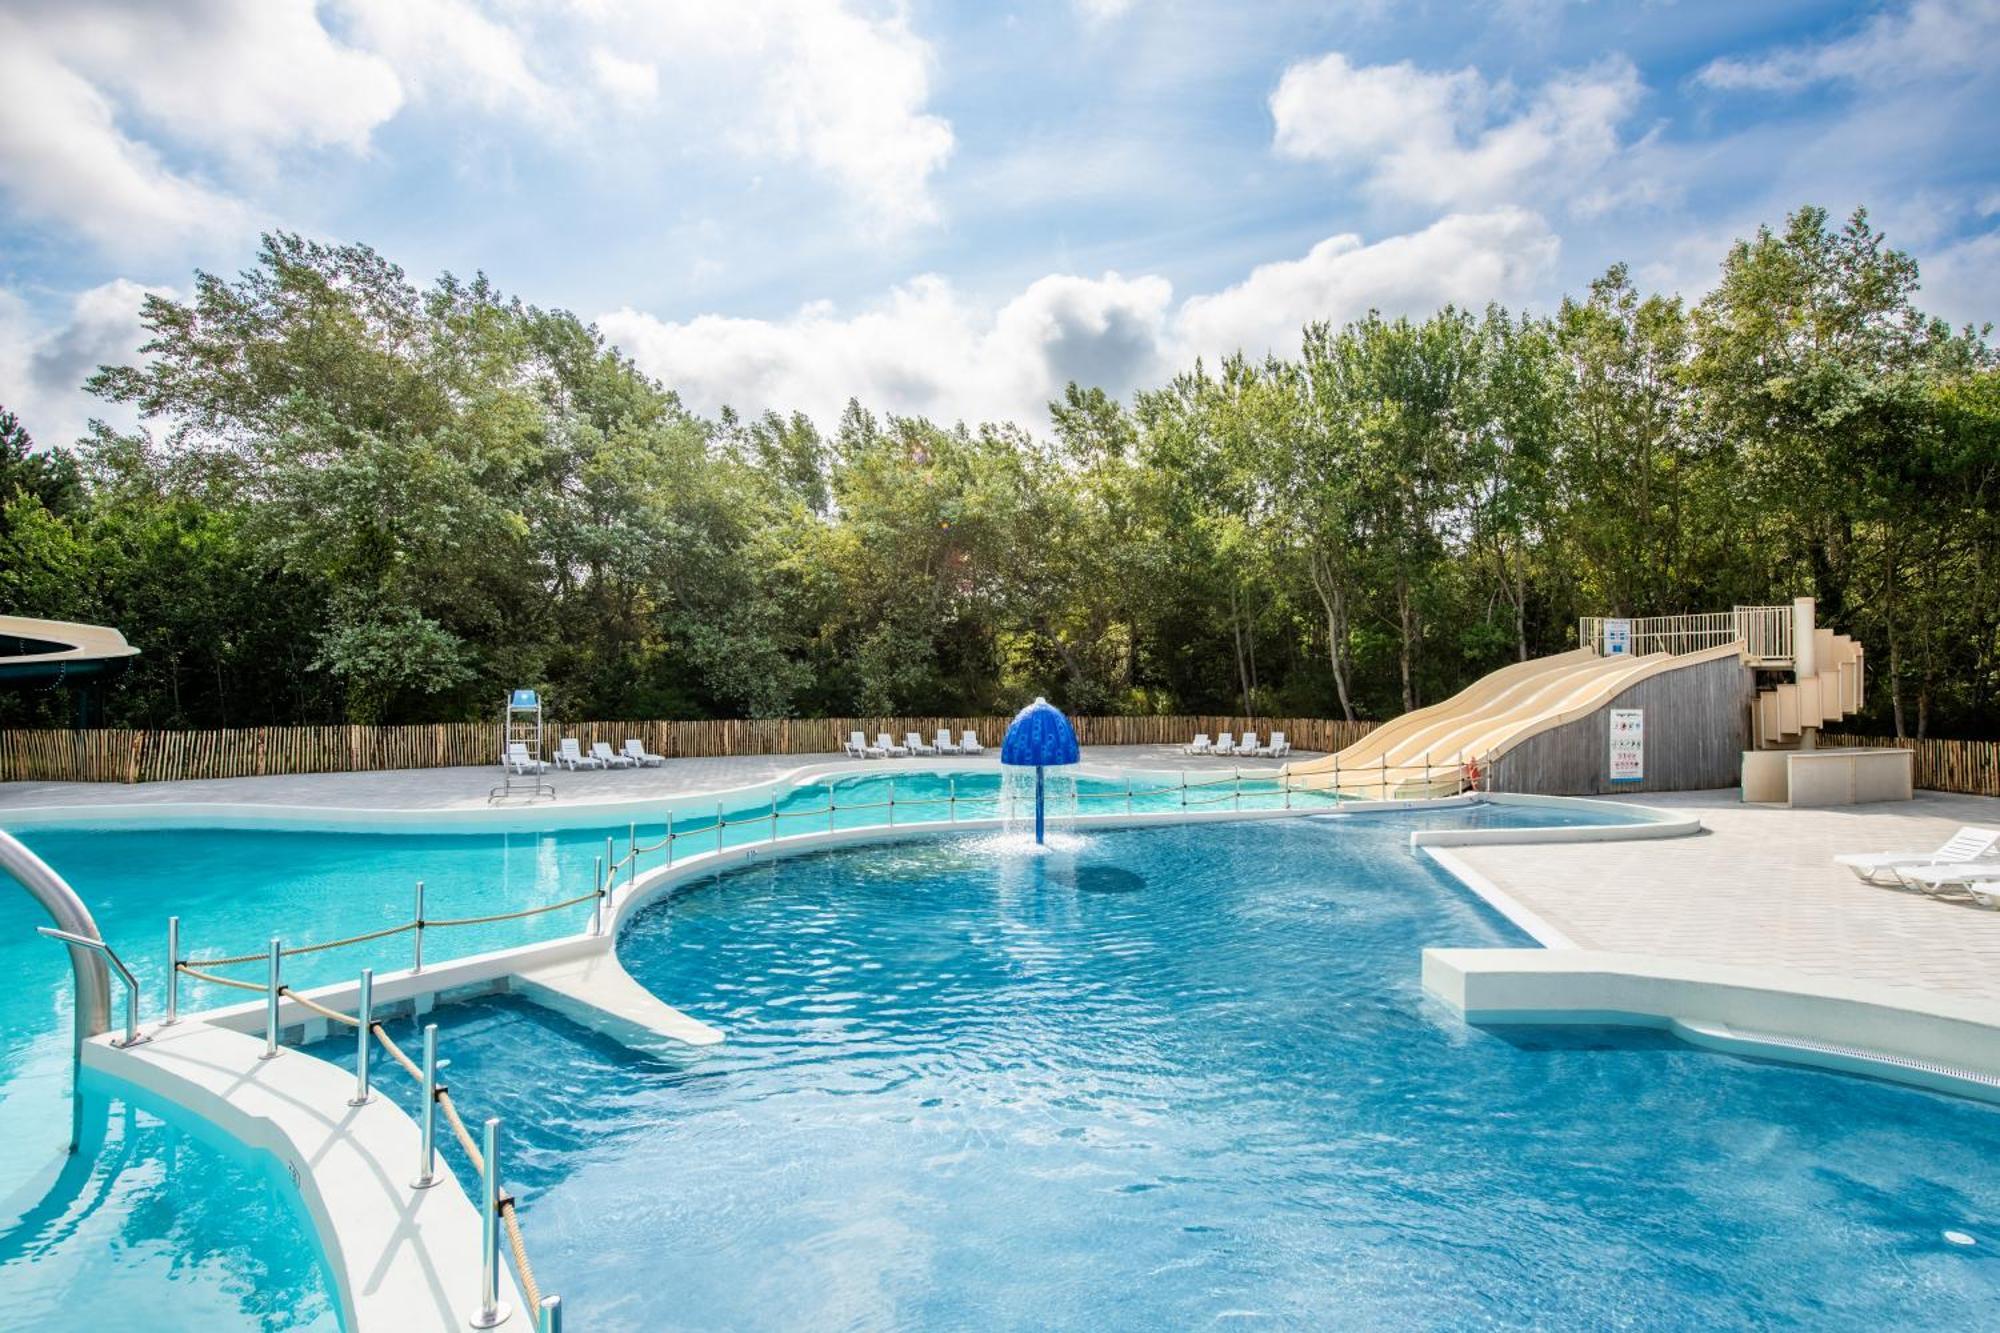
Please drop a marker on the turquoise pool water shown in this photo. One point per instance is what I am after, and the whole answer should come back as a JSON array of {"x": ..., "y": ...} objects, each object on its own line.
[
  {"x": 1187, "y": 1077},
  {"x": 234, "y": 889}
]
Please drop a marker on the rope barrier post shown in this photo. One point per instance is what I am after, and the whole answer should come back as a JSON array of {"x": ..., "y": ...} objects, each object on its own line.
[
  {"x": 670, "y": 835},
  {"x": 1239, "y": 788},
  {"x": 418, "y": 964},
  {"x": 427, "y": 1175},
  {"x": 1184, "y": 789},
  {"x": 951, "y": 798},
  {"x": 491, "y": 1311},
  {"x": 632, "y": 845},
  {"x": 364, "y": 1010},
  {"x": 829, "y": 805},
  {"x": 597, "y": 903},
  {"x": 611, "y": 878},
  {"x": 173, "y": 972},
  {"x": 551, "y": 1315},
  {"x": 1427, "y": 772},
  {"x": 892, "y": 802},
  {"x": 718, "y": 828},
  {"x": 1385, "y": 775},
  {"x": 774, "y": 814},
  {"x": 271, "y": 989},
  {"x": 1128, "y": 793}
]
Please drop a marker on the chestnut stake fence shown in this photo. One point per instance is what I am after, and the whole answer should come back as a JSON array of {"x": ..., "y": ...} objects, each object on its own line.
[{"x": 120, "y": 755}]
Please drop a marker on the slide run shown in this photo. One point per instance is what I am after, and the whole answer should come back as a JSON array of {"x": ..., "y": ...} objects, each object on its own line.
[{"x": 1427, "y": 752}]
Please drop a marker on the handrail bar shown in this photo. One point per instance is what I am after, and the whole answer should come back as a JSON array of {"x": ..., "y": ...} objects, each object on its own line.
[{"x": 132, "y": 1037}]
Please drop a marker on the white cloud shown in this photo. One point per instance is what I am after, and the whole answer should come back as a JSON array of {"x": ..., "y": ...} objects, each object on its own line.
[
  {"x": 925, "y": 349},
  {"x": 449, "y": 49},
  {"x": 1103, "y": 11},
  {"x": 98, "y": 92},
  {"x": 1466, "y": 258},
  {"x": 43, "y": 364},
  {"x": 1926, "y": 40},
  {"x": 144, "y": 125},
  {"x": 1961, "y": 280},
  {"x": 1452, "y": 139},
  {"x": 635, "y": 83}
]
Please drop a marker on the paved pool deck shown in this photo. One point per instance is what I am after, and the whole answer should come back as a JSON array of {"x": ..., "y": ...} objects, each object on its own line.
[
  {"x": 1759, "y": 889},
  {"x": 467, "y": 788}
]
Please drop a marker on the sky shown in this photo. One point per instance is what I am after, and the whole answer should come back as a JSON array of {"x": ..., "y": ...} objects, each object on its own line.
[{"x": 953, "y": 210}]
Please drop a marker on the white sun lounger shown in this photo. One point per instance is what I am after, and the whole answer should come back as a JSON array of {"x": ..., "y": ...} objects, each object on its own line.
[
  {"x": 570, "y": 756},
  {"x": 1249, "y": 744},
  {"x": 1278, "y": 746},
  {"x": 857, "y": 747},
  {"x": 602, "y": 752},
  {"x": 1225, "y": 743},
  {"x": 1979, "y": 880},
  {"x": 944, "y": 744},
  {"x": 636, "y": 751},
  {"x": 889, "y": 747},
  {"x": 1201, "y": 744},
  {"x": 915, "y": 744},
  {"x": 969, "y": 743},
  {"x": 1970, "y": 843},
  {"x": 518, "y": 759}
]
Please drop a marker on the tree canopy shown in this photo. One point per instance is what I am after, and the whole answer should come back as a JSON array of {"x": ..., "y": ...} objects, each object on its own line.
[{"x": 361, "y": 500}]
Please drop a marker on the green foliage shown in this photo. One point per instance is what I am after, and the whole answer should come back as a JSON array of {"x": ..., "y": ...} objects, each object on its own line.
[{"x": 360, "y": 500}]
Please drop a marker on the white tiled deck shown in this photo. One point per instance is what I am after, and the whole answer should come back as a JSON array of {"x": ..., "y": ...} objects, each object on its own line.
[
  {"x": 1760, "y": 889},
  {"x": 466, "y": 788}
]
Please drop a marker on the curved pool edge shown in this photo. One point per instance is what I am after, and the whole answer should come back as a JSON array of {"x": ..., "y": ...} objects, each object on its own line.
[
  {"x": 1942, "y": 1043},
  {"x": 397, "y": 1258}
]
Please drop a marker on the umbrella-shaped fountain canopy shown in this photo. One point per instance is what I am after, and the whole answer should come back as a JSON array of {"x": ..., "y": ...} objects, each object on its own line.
[{"x": 1041, "y": 738}]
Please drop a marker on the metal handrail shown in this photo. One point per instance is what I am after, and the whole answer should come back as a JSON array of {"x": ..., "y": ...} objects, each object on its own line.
[{"x": 110, "y": 955}]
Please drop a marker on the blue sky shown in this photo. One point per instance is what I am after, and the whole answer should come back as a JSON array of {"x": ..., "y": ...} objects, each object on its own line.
[{"x": 953, "y": 209}]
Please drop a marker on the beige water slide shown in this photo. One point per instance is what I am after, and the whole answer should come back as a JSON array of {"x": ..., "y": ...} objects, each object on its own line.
[{"x": 1427, "y": 752}]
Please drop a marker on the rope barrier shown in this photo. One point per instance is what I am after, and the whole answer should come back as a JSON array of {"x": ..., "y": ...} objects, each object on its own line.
[
  {"x": 514, "y": 916},
  {"x": 219, "y": 981}
]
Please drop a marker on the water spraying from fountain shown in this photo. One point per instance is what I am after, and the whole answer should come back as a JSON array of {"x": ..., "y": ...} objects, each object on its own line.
[{"x": 1039, "y": 738}]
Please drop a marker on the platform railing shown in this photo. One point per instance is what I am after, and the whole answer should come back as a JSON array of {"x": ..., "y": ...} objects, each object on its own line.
[{"x": 1764, "y": 631}]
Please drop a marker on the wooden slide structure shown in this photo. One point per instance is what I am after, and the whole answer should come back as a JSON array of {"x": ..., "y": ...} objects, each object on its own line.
[{"x": 1445, "y": 748}]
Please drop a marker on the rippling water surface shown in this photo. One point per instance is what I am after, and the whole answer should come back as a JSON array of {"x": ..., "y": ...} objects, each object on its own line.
[{"x": 1176, "y": 1078}]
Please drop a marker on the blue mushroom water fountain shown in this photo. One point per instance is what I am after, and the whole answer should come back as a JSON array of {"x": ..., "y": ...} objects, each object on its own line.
[{"x": 1041, "y": 738}]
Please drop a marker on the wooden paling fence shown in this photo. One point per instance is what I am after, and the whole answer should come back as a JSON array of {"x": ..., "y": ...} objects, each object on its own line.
[
  {"x": 121, "y": 755},
  {"x": 1971, "y": 768}
]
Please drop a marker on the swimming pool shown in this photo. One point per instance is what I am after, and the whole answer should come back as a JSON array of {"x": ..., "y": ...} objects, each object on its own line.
[
  {"x": 236, "y": 880},
  {"x": 1179, "y": 1076}
]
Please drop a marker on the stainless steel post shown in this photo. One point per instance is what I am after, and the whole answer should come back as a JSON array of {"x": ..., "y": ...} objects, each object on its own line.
[
  {"x": 364, "y": 1010},
  {"x": 418, "y": 964},
  {"x": 173, "y": 972},
  {"x": 427, "y": 1175},
  {"x": 491, "y": 1311},
  {"x": 670, "y": 836},
  {"x": 272, "y": 983},
  {"x": 611, "y": 875},
  {"x": 551, "y": 1318},
  {"x": 829, "y": 807},
  {"x": 892, "y": 802},
  {"x": 774, "y": 814},
  {"x": 597, "y": 903},
  {"x": 951, "y": 797}
]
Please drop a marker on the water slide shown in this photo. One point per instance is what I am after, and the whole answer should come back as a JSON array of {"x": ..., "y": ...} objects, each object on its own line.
[{"x": 1425, "y": 752}]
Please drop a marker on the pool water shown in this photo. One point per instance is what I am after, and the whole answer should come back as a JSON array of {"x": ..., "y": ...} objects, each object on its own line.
[
  {"x": 236, "y": 888},
  {"x": 1180, "y": 1077},
  {"x": 155, "y": 1226}
]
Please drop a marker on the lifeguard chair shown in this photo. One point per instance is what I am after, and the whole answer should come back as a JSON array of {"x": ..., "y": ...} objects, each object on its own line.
[{"x": 521, "y": 751}]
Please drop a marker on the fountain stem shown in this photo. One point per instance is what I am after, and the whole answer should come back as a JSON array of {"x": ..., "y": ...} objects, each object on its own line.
[{"x": 1038, "y": 803}]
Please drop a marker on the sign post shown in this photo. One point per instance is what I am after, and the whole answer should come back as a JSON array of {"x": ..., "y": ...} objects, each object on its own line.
[{"x": 1628, "y": 745}]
